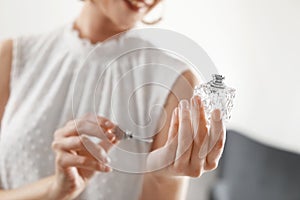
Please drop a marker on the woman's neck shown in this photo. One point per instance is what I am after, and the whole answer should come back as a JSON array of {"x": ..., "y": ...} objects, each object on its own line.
[{"x": 94, "y": 25}]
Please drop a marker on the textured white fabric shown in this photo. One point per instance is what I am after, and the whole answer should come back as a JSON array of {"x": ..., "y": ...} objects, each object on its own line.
[{"x": 46, "y": 68}]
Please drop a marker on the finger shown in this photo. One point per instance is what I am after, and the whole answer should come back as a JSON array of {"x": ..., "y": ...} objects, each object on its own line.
[
  {"x": 216, "y": 128},
  {"x": 199, "y": 135},
  {"x": 83, "y": 126},
  {"x": 200, "y": 127},
  {"x": 96, "y": 150},
  {"x": 83, "y": 145},
  {"x": 213, "y": 157},
  {"x": 195, "y": 115},
  {"x": 65, "y": 160},
  {"x": 118, "y": 132},
  {"x": 173, "y": 129},
  {"x": 185, "y": 136},
  {"x": 102, "y": 121},
  {"x": 68, "y": 144},
  {"x": 199, "y": 120},
  {"x": 104, "y": 124},
  {"x": 106, "y": 145}
]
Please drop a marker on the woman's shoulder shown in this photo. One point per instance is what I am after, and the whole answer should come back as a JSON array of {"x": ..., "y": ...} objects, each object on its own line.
[
  {"x": 27, "y": 49},
  {"x": 33, "y": 43}
]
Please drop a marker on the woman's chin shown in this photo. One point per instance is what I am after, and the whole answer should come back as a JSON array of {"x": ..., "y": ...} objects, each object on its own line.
[{"x": 126, "y": 24}]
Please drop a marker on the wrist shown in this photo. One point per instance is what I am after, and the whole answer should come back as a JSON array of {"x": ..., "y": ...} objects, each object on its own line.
[
  {"x": 54, "y": 192},
  {"x": 159, "y": 183},
  {"x": 163, "y": 178},
  {"x": 51, "y": 190}
]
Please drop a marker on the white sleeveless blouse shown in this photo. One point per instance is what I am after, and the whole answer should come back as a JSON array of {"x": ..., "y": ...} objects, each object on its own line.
[{"x": 53, "y": 82}]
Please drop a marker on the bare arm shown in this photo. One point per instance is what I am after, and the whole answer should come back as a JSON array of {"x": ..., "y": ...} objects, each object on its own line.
[
  {"x": 35, "y": 191},
  {"x": 5, "y": 66},
  {"x": 161, "y": 187}
]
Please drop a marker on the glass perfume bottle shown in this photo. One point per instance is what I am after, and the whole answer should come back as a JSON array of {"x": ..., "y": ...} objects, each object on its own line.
[{"x": 216, "y": 95}]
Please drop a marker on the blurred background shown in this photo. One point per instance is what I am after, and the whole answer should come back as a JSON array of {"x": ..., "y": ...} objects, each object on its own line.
[{"x": 256, "y": 45}]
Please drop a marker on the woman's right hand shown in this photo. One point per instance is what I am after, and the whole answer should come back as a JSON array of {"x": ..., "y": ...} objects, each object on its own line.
[{"x": 77, "y": 157}]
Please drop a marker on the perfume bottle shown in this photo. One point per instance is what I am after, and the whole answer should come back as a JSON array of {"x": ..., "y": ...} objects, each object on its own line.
[{"x": 216, "y": 95}]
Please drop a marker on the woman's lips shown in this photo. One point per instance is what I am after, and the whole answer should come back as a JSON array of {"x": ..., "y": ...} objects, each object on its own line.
[{"x": 137, "y": 5}]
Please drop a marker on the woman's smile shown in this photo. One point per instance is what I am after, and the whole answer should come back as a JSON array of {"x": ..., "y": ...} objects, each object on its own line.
[{"x": 139, "y": 5}]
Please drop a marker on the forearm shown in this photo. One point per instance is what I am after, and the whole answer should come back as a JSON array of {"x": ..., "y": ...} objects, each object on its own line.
[
  {"x": 160, "y": 188},
  {"x": 35, "y": 191}
]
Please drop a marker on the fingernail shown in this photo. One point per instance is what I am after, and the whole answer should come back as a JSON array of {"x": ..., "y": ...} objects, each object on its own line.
[
  {"x": 108, "y": 124},
  {"x": 112, "y": 130},
  {"x": 105, "y": 160},
  {"x": 176, "y": 111},
  {"x": 108, "y": 160},
  {"x": 104, "y": 168},
  {"x": 195, "y": 102},
  {"x": 198, "y": 100},
  {"x": 109, "y": 136},
  {"x": 216, "y": 115},
  {"x": 108, "y": 169},
  {"x": 184, "y": 104},
  {"x": 113, "y": 138}
]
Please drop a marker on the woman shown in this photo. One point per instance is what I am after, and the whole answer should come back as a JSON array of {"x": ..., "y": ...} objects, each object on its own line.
[{"x": 36, "y": 74}]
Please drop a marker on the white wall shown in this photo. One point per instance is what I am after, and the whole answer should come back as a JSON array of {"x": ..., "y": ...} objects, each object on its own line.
[
  {"x": 32, "y": 16},
  {"x": 255, "y": 43}
]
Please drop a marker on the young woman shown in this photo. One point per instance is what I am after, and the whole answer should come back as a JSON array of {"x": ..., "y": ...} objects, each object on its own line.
[{"x": 36, "y": 77}]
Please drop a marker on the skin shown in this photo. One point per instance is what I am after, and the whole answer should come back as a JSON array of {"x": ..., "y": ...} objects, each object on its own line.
[{"x": 181, "y": 139}]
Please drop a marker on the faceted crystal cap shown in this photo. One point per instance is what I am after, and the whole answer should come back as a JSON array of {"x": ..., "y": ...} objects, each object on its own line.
[{"x": 217, "y": 81}]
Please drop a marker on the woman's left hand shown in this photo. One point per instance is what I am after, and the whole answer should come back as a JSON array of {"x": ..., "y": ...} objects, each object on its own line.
[{"x": 191, "y": 148}]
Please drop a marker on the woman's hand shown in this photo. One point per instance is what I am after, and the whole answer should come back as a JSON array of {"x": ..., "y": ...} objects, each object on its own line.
[
  {"x": 77, "y": 157},
  {"x": 191, "y": 148}
]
